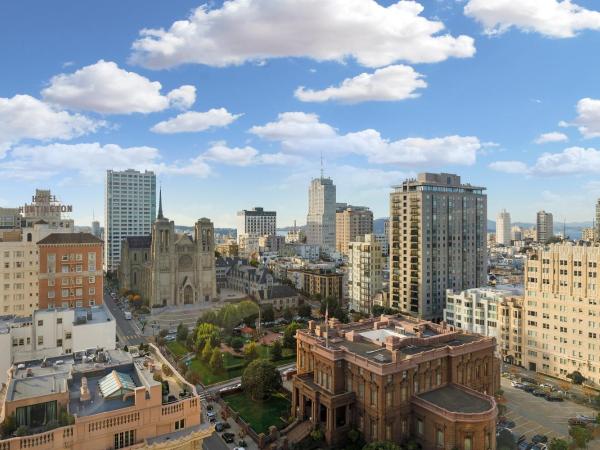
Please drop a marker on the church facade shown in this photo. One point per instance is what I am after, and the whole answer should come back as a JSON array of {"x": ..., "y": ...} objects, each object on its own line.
[{"x": 169, "y": 268}]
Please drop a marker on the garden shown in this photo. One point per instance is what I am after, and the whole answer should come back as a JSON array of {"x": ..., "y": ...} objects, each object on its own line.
[{"x": 216, "y": 350}]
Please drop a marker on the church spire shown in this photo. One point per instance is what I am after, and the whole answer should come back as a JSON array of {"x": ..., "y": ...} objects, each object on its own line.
[{"x": 160, "y": 211}]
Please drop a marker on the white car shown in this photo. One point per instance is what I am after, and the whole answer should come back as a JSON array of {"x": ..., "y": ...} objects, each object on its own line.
[{"x": 239, "y": 448}]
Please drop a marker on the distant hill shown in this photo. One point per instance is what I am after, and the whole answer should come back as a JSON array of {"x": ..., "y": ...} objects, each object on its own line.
[{"x": 572, "y": 229}]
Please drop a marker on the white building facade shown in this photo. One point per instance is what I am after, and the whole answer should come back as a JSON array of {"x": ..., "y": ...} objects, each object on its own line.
[
  {"x": 256, "y": 222},
  {"x": 503, "y": 228},
  {"x": 129, "y": 210},
  {"x": 321, "y": 218}
]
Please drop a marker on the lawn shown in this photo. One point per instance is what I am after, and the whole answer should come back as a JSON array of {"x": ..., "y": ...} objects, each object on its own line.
[
  {"x": 260, "y": 415},
  {"x": 177, "y": 348},
  {"x": 207, "y": 376},
  {"x": 287, "y": 354}
]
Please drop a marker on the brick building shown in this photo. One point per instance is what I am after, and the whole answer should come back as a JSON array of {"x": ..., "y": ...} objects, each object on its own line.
[
  {"x": 395, "y": 378},
  {"x": 70, "y": 272}
]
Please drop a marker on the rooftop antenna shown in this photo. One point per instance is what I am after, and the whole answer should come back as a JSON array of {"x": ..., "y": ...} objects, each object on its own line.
[{"x": 321, "y": 165}]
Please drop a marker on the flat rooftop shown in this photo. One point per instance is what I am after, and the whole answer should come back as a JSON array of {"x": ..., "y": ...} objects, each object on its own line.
[{"x": 454, "y": 399}]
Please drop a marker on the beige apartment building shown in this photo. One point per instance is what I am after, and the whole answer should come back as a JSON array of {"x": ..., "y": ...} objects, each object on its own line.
[
  {"x": 365, "y": 263},
  {"x": 351, "y": 222},
  {"x": 438, "y": 228},
  {"x": 561, "y": 311}
]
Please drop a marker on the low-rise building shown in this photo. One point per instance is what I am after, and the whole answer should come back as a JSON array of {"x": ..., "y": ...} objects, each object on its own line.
[
  {"x": 71, "y": 273},
  {"x": 49, "y": 333},
  {"x": 395, "y": 378},
  {"x": 323, "y": 282},
  {"x": 106, "y": 399},
  {"x": 280, "y": 297}
]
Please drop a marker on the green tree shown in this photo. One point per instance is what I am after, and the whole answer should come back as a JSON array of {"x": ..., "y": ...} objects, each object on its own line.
[
  {"x": 267, "y": 313},
  {"x": 192, "y": 377},
  {"x": 276, "y": 351},
  {"x": 216, "y": 360},
  {"x": 558, "y": 444},
  {"x": 260, "y": 379},
  {"x": 237, "y": 343},
  {"x": 386, "y": 445},
  {"x": 9, "y": 426},
  {"x": 576, "y": 377},
  {"x": 207, "y": 351},
  {"x": 250, "y": 351},
  {"x": 288, "y": 314},
  {"x": 289, "y": 335},
  {"x": 182, "y": 332},
  {"x": 581, "y": 436},
  {"x": 304, "y": 310},
  {"x": 207, "y": 332}
]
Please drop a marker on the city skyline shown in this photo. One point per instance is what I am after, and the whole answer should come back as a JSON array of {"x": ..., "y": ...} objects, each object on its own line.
[{"x": 504, "y": 101}]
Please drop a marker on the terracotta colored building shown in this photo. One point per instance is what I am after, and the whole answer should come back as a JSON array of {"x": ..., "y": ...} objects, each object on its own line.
[
  {"x": 111, "y": 402},
  {"x": 70, "y": 272},
  {"x": 396, "y": 378}
]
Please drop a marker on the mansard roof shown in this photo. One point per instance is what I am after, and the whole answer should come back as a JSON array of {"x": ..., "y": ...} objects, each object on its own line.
[{"x": 139, "y": 241}]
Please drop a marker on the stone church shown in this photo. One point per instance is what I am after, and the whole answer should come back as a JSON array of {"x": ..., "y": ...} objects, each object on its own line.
[{"x": 168, "y": 268}]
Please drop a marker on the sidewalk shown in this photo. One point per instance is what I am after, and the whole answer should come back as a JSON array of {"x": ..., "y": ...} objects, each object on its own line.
[{"x": 235, "y": 429}]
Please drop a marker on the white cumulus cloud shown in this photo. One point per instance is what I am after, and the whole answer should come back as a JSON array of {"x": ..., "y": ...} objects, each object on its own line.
[
  {"x": 90, "y": 160},
  {"x": 301, "y": 132},
  {"x": 25, "y": 117},
  {"x": 391, "y": 83},
  {"x": 193, "y": 121},
  {"x": 324, "y": 30},
  {"x": 588, "y": 117},
  {"x": 553, "y": 18},
  {"x": 105, "y": 88},
  {"x": 570, "y": 161},
  {"x": 246, "y": 156},
  {"x": 553, "y": 136}
]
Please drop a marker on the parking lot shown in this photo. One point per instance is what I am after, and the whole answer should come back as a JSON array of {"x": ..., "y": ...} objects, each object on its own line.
[{"x": 535, "y": 415}]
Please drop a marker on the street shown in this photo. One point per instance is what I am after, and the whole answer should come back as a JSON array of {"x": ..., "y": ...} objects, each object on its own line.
[{"x": 126, "y": 331}]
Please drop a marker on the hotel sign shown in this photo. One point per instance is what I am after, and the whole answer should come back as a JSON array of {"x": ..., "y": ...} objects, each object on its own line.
[{"x": 44, "y": 204}]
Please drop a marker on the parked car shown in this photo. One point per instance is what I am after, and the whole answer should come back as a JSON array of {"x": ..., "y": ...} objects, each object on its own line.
[
  {"x": 219, "y": 427},
  {"x": 539, "y": 447},
  {"x": 587, "y": 419},
  {"x": 554, "y": 397},
  {"x": 211, "y": 416},
  {"x": 539, "y": 392},
  {"x": 539, "y": 439},
  {"x": 529, "y": 387},
  {"x": 517, "y": 385},
  {"x": 228, "y": 437},
  {"x": 524, "y": 446},
  {"x": 505, "y": 423},
  {"x": 573, "y": 421}
]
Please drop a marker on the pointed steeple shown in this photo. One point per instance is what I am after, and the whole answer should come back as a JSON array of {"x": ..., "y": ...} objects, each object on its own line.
[{"x": 160, "y": 211}]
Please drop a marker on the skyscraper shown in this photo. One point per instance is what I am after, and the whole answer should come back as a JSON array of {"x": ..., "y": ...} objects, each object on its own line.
[
  {"x": 351, "y": 223},
  {"x": 437, "y": 242},
  {"x": 320, "y": 221},
  {"x": 256, "y": 222},
  {"x": 503, "y": 230},
  {"x": 544, "y": 228},
  {"x": 129, "y": 210}
]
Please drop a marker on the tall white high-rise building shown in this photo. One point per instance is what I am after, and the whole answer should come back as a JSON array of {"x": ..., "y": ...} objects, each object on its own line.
[
  {"x": 503, "y": 234},
  {"x": 129, "y": 210},
  {"x": 320, "y": 221},
  {"x": 256, "y": 222},
  {"x": 544, "y": 229}
]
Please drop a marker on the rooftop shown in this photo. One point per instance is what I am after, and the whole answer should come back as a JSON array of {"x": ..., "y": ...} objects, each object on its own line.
[
  {"x": 70, "y": 238},
  {"x": 455, "y": 399},
  {"x": 139, "y": 241}
]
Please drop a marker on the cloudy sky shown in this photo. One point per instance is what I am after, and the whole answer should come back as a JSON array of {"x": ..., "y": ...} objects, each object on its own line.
[{"x": 232, "y": 103}]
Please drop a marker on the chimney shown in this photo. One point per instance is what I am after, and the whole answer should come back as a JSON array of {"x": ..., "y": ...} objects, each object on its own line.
[{"x": 85, "y": 390}]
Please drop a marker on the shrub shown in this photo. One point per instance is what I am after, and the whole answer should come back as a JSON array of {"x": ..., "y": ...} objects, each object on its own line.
[{"x": 166, "y": 370}]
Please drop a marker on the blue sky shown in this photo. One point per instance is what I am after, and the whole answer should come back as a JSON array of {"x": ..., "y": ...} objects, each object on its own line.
[{"x": 502, "y": 94}]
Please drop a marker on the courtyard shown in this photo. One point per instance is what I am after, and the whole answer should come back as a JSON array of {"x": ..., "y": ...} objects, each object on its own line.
[{"x": 260, "y": 415}]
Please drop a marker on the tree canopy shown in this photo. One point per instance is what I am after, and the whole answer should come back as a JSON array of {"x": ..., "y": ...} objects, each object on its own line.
[
  {"x": 289, "y": 335},
  {"x": 207, "y": 332},
  {"x": 260, "y": 379}
]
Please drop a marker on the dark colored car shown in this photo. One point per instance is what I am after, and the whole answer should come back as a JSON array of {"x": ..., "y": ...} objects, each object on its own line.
[
  {"x": 524, "y": 446},
  {"x": 209, "y": 407},
  {"x": 228, "y": 437},
  {"x": 505, "y": 423},
  {"x": 539, "y": 393},
  {"x": 219, "y": 427},
  {"x": 539, "y": 439},
  {"x": 529, "y": 387},
  {"x": 551, "y": 397}
]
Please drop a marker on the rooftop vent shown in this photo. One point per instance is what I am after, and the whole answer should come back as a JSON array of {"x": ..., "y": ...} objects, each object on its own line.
[{"x": 84, "y": 390}]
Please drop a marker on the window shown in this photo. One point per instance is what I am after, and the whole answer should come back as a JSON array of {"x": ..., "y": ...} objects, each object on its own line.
[
  {"x": 68, "y": 335},
  {"x": 40, "y": 340},
  {"x": 419, "y": 427},
  {"x": 59, "y": 342},
  {"x": 439, "y": 438},
  {"x": 468, "y": 443},
  {"x": 59, "y": 320},
  {"x": 124, "y": 439},
  {"x": 180, "y": 424},
  {"x": 40, "y": 323}
]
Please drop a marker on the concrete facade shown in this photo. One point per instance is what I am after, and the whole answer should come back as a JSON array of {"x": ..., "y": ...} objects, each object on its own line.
[
  {"x": 544, "y": 227},
  {"x": 438, "y": 228},
  {"x": 503, "y": 228},
  {"x": 256, "y": 222},
  {"x": 562, "y": 312},
  {"x": 351, "y": 222},
  {"x": 320, "y": 221},
  {"x": 365, "y": 265}
]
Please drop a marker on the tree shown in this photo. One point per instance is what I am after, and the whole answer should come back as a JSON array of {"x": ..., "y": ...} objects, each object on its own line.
[
  {"x": 267, "y": 313},
  {"x": 237, "y": 343},
  {"x": 276, "y": 351},
  {"x": 9, "y": 426},
  {"x": 207, "y": 351},
  {"x": 192, "y": 377},
  {"x": 557, "y": 444},
  {"x": 163, "y": 332},
  {"x": 304, "y": 310},
  {"x": 250, "y": 351},
  {"x": 576, "y": 377},
  {"x": 166, "y": 370},
  {"x": 216, "y": 360},
  {"x": 182, "y": 332},
  {"x": 288, "y": 314},
  {"x": 260, "y": 379},
  {"x": 386, "y": 445},
  {"x": 581, "y": 436},
  {"x": 207, "y": 332},
  {"x": 289, "y": 335}
]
